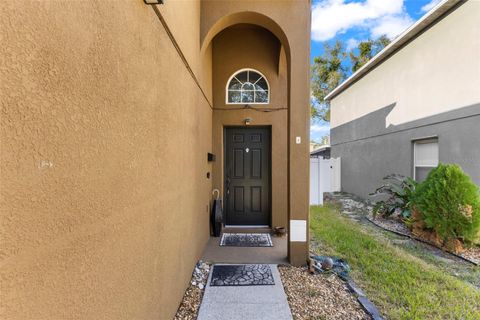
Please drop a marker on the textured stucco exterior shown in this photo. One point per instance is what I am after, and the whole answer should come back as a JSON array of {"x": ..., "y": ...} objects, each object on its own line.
[
  {"x": 428, "y": 88},
  {"x": 104, "y": 140},
  {"x": 103, "y": 215}
]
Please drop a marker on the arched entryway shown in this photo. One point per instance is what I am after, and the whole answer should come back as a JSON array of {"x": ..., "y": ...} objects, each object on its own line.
[{"x": 251, "y": 40}]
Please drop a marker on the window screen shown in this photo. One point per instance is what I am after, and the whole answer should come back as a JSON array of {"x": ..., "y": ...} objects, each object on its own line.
[{"x": 425, "y": 157}]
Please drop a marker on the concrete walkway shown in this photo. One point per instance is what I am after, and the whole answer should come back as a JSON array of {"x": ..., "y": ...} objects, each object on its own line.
[{"x": 247, "y": 302}]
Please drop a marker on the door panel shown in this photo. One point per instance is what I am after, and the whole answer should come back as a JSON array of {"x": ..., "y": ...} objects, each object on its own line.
[
  {"x": 256, "y": 163},
  {"x": 238, "y": 161},
  {"x": 247, "y": 176},
  {"x": 256, "y": 198},
  {"x": 238, "y": 199}
]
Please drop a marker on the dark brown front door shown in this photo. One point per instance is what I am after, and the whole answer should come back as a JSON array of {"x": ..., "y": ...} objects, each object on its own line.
[{"x": 247, "y": 176}]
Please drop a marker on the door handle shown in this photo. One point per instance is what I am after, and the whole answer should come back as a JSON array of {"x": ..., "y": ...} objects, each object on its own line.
[{"x": 227, "y": 185}]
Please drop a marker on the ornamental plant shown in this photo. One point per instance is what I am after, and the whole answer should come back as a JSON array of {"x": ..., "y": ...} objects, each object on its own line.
[
  {"x": 397, "y": 194},
  {"x": 449, "y": 204}
]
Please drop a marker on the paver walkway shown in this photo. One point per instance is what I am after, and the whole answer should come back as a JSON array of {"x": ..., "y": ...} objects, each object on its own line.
[{"x": 245, "y": 302}]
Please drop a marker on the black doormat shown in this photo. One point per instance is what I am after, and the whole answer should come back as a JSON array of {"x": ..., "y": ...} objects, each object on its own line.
[
  {"x": 242, "y": 275},
  {"x": 246, "y": 240}
]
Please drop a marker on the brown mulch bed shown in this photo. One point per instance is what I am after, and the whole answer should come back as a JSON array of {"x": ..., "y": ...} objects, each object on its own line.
[
  {"x": 318, "y": 296},
  {"x": 472, "y": 254},
  {"x": 190, "y": 305},
  {"x": 392, "y": 224}
]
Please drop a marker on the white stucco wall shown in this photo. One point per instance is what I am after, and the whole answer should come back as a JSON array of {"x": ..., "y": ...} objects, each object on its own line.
[{"x": 437, "y": 72}]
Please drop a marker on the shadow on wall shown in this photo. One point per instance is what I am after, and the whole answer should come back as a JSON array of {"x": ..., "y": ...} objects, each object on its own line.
[
  {"x": 369, "y": 151},
  {"x": 375, "y": 123}
]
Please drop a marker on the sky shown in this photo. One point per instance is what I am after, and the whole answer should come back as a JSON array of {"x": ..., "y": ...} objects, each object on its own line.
[{"x": 352, "y": 21}]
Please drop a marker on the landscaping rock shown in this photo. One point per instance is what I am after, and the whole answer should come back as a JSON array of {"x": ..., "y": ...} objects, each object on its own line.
[
  {"x": 472, "y": 254},
  {"x": 331, "y": 264},
  {"x": 327, "y": 264},
  {"x": 188, "y": 309},
  {"x": 319, "y": 296},
  {"x": 192, "y": 298},
  {"x": 391, "y": 224}
]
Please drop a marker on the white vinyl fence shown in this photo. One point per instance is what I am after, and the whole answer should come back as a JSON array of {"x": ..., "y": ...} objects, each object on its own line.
[{"x": 324, "y": 177}]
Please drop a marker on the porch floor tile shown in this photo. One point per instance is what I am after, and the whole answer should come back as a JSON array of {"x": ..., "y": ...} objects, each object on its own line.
[{"x": 215, "y": 253}]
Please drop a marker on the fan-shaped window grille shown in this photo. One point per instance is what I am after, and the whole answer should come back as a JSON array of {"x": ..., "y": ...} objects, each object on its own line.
[{"x": 247, "y": 86}]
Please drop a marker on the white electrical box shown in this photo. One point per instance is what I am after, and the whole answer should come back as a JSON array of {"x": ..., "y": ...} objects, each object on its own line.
[
  {"x": 298, "y": 140},
  {"x": 298, "y": 230}
]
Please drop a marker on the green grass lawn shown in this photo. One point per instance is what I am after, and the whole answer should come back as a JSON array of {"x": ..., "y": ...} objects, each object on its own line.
[{"x": 401, "y": 285}]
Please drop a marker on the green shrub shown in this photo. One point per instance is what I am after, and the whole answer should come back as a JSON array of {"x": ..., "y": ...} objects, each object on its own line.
[{"x": 449, "y": 203}]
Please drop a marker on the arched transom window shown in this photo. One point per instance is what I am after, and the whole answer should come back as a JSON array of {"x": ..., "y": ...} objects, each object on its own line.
[{"x": 247, "y": 86}]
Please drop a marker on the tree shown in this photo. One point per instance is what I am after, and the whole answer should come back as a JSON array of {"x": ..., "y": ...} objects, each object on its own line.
[
  {"x": 325, "y": 139},
  {"x": 327, "y": 74},
  {"x": 328, "y": 71},
  {"x": 366, "y": 51}
]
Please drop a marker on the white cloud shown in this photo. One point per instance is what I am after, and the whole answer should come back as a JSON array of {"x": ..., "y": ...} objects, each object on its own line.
[
  {"x": 316, "y": 128},
  {"x": 318, "y": 131},
  {"x": 352, "y": 44},
  {"x": 330, "y": 17},
  {"x": 429, "y": 6},
  {"x": 391, "y": 26}
]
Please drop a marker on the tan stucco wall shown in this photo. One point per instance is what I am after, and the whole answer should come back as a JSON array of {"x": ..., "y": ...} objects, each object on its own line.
[
  {"x": 104, "y": 137},
  {"x": 290, "y": 22},
  {"x": 241, "y": 47},
  {"x": 437, "y": 72}
]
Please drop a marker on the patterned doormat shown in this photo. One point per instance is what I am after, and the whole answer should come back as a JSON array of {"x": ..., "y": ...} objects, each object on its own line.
[
  {"x": 242, "y": 275},
  {"x": 246, "y": 240}
]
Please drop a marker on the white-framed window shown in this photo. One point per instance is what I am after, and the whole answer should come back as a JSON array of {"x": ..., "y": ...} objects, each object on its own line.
[
  {"x": 425, "y": 157},
  {"x": 247, "y": 86}
]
